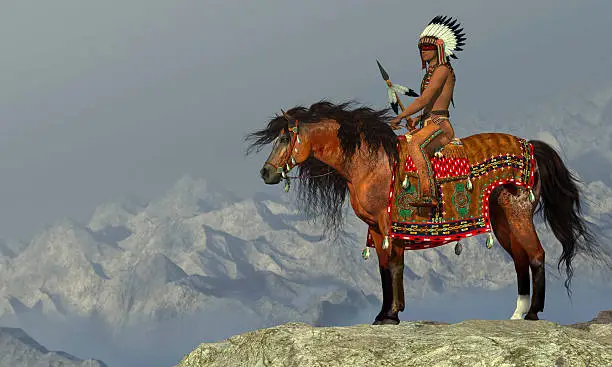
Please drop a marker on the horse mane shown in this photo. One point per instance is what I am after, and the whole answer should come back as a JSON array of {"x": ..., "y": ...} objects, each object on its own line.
[{"x": 322, "y": 190}]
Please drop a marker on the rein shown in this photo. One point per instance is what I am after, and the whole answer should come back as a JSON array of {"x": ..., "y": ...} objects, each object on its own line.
[{"x": 315, "y": 176}]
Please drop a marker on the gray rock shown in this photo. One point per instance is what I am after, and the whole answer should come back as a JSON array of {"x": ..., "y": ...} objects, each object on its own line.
[
  {"x": 474, "y": 343},
  {"x": 604, "y": 317}
]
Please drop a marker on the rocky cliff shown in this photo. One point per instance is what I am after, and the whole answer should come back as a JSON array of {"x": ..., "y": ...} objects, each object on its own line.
[{"x": 479, "y": 343}]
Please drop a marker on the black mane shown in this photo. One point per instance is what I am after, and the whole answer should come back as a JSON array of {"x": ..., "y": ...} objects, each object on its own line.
[{"x": 323, "y": 197}]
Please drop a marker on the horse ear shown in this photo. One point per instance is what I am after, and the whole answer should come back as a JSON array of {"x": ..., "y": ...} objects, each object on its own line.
[{"x": 287, "y": 116}]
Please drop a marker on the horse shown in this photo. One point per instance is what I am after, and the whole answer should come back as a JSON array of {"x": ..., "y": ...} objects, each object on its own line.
[{"x": 342, "y": 149}]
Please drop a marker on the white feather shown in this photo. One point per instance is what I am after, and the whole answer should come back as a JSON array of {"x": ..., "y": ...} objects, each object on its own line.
[
  {"x": 446, "y": 34},
  {"x": 399, "y": 88},
  {"x": 391, "y": 95},
  {"x": 434, "y": 30},
  {"x": 428, "y": 30},
  {"x": 441, "y": 30}
]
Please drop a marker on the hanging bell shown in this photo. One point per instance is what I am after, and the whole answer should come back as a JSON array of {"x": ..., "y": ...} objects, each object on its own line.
[
  {"x": 405, "y": 183},
  {"x": 288, "y": 167},
  {"x": 292, "y": 160},
  {"x": 365, "y": 253},
  {"x": 385, "y": 244},
  {"x": 284, "y": 174},
  {"x": 458, "y": 248},
  {"x": 468, "y": 184},
  {"x": 531, "y": 196},
  {"x": 490, "y": 241},
  {"x": 287, "y": 185},
  {"x": 299, "y": 141}
]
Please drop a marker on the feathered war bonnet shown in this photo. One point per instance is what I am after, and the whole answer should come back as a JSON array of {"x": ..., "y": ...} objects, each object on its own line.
[{"x": 445, "y": 35}]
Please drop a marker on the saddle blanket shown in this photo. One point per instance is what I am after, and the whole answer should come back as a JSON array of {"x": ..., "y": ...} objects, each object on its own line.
[{"x": 465, "y": 174}]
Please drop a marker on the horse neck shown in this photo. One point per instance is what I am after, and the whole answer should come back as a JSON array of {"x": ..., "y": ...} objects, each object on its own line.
[{"x": 325, "y": 147}]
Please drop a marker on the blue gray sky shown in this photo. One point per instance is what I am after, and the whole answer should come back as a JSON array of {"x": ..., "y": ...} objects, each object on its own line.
[{"x": 102, "y": 100}]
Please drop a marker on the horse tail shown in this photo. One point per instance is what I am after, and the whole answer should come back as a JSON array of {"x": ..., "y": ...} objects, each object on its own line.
[{"x": 561, "y": 207}]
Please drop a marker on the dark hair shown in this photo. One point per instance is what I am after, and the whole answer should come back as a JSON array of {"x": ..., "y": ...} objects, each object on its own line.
[{"x": 322, "y": 196}]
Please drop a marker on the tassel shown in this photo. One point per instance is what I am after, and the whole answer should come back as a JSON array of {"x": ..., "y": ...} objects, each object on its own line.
[
  {"x": 299, "y": 141},
  {"x": 365, "y": 253},
  {"x": 469, "y": 184},
  {"x": 385, "y": 244},
  {"x": 490, "y": 241},
  {"x": 288, "y": 167},
  {"x": 531, "y": 196},
  {"x": 283, "y": 174},
  {"x": 292, "y": 160},
  {"x": 406, "y": 183}
]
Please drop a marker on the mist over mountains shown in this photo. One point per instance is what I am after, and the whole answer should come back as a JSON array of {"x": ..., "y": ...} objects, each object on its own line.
[{"x": 142, "y": 283}]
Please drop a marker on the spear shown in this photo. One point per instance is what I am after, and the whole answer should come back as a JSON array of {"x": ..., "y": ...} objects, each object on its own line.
[{"x": 394, "y": 89}]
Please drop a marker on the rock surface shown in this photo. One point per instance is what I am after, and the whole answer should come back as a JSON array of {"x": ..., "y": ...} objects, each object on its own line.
[{"x": 474, "y": 343}]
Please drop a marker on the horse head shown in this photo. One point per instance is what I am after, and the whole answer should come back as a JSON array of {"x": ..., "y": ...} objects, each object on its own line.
[{"x": 291, "y": 147}]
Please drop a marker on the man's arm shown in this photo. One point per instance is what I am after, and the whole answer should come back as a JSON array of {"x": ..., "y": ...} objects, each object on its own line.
[{"x": 433, "y": 89}]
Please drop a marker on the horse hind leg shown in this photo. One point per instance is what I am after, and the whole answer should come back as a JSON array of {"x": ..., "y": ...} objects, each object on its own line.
[
  {"x": 520, "y": 218},
  {"x": 501, "y": 229}
]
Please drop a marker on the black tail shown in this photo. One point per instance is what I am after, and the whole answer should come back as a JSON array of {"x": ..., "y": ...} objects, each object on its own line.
[{"x": 562, "y": 208}]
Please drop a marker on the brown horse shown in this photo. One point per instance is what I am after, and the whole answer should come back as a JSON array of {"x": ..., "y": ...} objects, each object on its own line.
[{"x": 339, "y": 149}]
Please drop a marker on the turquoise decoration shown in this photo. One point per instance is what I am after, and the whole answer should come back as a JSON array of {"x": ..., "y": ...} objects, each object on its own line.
[
  {"x": 490, "y": 241},
  {"x": 403, "y": 200},
  {"x": 461, "y": 200},
  {"x": 365, "y": 253},
  {"x": 385, "y": 244}
]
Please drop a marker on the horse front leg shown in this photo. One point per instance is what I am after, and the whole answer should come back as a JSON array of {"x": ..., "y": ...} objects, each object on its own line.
[{"x": 391, "y": 266}]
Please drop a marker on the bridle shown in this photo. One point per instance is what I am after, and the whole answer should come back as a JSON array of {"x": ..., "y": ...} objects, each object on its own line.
[{"x": 288, "y": 160}]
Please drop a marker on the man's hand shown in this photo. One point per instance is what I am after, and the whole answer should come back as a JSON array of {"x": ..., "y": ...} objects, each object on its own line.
[
  {"x": 410, "y": 123},
  {"x": 395, "y": 123}
]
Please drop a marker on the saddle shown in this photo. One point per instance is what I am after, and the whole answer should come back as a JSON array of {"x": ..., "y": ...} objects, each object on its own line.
[{"x": 449, "y": 163}]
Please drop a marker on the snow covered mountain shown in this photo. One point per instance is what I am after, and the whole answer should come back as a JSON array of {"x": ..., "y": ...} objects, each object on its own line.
[
  {"x": 202, "y": 258},
  {"x": 175, "y": 257},
  {"x": 19, "y": 349}
]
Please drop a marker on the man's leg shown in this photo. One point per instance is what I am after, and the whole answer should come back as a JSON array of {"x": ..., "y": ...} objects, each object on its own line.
[{"x": 421, "y": 147}]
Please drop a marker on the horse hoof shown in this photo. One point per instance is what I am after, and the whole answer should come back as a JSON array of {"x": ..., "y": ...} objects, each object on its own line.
[
  {"x": 386, "y": 322},
  {"x": 531, "y": 316}
]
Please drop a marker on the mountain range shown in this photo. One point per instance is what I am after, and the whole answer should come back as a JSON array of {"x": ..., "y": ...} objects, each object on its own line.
[{"x": 203, "y": 263}]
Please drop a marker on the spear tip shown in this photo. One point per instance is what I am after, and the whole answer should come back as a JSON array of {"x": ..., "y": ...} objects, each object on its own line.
[{"x": 382, "y": 71}]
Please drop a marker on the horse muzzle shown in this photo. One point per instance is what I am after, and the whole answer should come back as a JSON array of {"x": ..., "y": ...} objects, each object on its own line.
[{"x": 270, "y": 175}]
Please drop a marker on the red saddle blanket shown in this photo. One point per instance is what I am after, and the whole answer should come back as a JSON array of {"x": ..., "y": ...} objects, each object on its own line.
[{"x": 465, "y": 174}]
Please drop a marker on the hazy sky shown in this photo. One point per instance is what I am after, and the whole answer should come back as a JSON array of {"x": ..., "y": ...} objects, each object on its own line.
[{"x": 111, "y": 98}]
